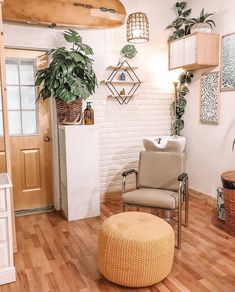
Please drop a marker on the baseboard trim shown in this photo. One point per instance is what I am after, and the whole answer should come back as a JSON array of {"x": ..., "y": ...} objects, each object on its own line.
[
  {"x": 26, "y": 212},
  {"x": 208, "y": 200},
  {"x": 7, "y": 276}
]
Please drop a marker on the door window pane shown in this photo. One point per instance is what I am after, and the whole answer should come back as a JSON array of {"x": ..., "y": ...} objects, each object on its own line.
[
  {"x": 12, "y": 73},
  {"x": 14, "y": 122},
  {"x": 28, "y": 97},
  {"x": 13, "y": 97},
  {"x": 21, "y": 97},
  {"x": 27, "y": 73},
  {"x": 29, "y": 122}
]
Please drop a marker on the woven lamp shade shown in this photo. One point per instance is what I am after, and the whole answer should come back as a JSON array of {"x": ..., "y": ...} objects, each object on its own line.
[{"x": 137, "y": 28}]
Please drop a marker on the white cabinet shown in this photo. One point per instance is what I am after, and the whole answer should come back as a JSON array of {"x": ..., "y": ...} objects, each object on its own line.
[
  {"x": 195, "y": 51},
  {"x": 79, "y": 171},
  {"x": 176, "y": 56},
  {"x": 7, "y": 269},
  {"x": 190, "y": 50}
]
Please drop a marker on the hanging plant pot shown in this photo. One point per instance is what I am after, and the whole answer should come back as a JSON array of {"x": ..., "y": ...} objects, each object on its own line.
[
  {"x": 201, "y": 27},
  {"x": 69, "y": 113}
]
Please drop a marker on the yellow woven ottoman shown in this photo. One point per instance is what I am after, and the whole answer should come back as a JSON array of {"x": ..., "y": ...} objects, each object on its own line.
[{"x": 135, "y": 249}]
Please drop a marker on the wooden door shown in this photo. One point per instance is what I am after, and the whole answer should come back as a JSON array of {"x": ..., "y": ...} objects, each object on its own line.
[{"x": 30, "y": 131}]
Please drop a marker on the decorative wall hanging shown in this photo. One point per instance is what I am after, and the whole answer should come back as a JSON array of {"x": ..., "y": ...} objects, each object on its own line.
[
  {"x": 92, "y": 13},
  {"x": 129, "y": 51},
  {"x": 228, "y": 63},
  {"x": 210, "y": 97},
  {"x": 115, "y": 83},
  {"x": 137, "y": 28}
]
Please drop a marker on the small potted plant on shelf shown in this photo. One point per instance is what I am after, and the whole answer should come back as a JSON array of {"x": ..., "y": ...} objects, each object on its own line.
[
  {"x": 202, "y": 23},
  {"x": 70, "y": 78}
]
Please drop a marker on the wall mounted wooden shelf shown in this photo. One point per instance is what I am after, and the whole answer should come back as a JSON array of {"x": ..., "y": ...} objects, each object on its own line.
[
  {"x": 116, "y": 96},
  {"x": 130, "y": 85},
  {"x": 120, "y": 82},
  {"x": 124, "y": 68},
  {"x": 195, "y": 51}
]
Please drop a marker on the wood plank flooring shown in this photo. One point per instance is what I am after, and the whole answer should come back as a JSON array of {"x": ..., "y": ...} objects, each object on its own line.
[{"x": 56, "y": 255}]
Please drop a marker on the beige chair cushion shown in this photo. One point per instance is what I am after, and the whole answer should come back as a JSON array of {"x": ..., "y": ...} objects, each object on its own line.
[
  {"x": 152, "y": 198},
  {"x": 160, "y": 170}
]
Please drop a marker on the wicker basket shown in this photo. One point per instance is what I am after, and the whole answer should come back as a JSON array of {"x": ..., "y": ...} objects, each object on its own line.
[
  {"x": 69, "y": 113},
  {"x": 201, "y": 27},
  {"x": 228, "y": 179},
  {"x": 229, "y": 205}
]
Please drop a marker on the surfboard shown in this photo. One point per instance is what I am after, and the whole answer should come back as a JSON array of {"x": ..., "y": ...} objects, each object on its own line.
[{"x": 65, "y": 13}]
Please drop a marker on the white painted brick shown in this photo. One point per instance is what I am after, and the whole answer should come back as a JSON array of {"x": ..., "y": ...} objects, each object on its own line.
[{"x": 122, "y": 128}]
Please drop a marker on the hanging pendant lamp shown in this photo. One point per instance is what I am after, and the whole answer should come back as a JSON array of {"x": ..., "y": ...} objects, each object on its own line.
[{"x": 137, "y": 28}]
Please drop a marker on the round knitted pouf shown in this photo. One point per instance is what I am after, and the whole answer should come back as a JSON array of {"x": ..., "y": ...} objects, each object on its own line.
[{"x": 135, "y": 249}]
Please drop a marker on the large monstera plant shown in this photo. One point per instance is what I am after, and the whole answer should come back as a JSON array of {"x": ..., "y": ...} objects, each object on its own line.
[
  {"x": 70, "y": 76},
  {"x": 178, "y": 106}
]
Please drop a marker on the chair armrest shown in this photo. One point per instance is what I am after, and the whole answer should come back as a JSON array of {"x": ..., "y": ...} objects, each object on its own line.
[
  {"x": 125, "y": 174},
  {"x": 128, "y": 172},
  {"x": 182, "y": 176}
]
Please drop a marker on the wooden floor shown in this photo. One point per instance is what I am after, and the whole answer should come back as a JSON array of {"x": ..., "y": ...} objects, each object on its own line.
[{"x": 55, "y": 255}]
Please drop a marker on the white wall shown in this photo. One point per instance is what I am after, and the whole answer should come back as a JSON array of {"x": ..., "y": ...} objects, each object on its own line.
[
  {"x": 121, "y": 127},
  {"x": 209, "y": 146}
]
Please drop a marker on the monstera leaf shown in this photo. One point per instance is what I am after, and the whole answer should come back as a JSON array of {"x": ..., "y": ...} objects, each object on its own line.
[
  {"x": 129, "y": 51},
  {"x": 70, "y": 74}
]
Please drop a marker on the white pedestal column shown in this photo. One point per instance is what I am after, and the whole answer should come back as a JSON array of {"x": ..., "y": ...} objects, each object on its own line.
[{"x": 79, "y": 171}]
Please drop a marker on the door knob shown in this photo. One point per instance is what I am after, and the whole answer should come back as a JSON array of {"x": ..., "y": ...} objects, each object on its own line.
[{"x": 47, "y": 138}]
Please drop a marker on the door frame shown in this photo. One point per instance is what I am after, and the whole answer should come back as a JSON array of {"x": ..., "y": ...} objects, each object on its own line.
[{"x": 54, "y": 133}]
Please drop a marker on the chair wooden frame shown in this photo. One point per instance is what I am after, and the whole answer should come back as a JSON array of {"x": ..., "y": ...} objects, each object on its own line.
[{"x": 183, "y": 199}]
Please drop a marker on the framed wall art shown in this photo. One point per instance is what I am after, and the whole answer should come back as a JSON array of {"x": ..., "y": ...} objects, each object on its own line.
[
  {"x": 228, "y": 63},
  {"x": 209, "y": 103}
]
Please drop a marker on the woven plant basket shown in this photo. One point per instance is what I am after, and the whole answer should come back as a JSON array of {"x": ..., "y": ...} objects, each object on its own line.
[
  {"x": 69, "y": 113},
  {"x": 228, "y": 180},
  {"x": 229, "y": 205},
  {"x": 201, "y": 27}
]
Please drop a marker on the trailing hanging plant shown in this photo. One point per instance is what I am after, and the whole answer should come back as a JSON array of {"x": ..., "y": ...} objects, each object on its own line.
[
  {"x": 181, "y": 24},
  {"x": 178, "y": 106},
  {"x": 70, "y": 75}
]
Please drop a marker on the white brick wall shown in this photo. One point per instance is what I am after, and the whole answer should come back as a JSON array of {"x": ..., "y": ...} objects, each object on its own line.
[{"x": 122, "y": 127}]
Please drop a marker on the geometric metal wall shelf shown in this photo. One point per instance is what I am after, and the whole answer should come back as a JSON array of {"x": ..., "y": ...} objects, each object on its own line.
[{"x": 130, "y": 85}]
